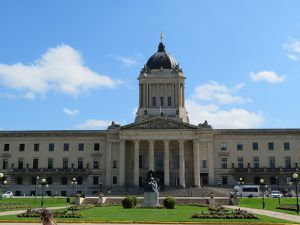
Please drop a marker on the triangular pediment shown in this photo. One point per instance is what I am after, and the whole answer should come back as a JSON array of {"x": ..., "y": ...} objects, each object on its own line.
[{"x": 159, "y": 123}]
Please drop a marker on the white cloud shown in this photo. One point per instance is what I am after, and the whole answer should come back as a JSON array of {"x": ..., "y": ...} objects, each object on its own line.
[
  {"x": 60, "y": 69},
  {"x": 134, "y": 111},
  {"x": 239, "y": 86},
  {"x": 126, "y": 61},
  {"x": 293, "y": 57},
  {"x": 93, "y": 125},
  {"x": 218, "y": 118},
  {"x": 214, "y": 91},
  {"x": 293, "y": 45},
  {"x": 268, "y": 76},
  {"x": 71, "y": 112}
]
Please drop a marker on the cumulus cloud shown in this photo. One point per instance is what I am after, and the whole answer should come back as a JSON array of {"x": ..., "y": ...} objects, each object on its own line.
[
  {"x": 126, "y": 61},
  {"x": 293, "y": 57},
  {"x": 93, "y": 124},
  {"x": 60, "y": 69},
  {"x": 293, "y": 48},
  {"x": 71, "y": 112},
  {"x": 268, "y": 76},
  {"x": 213, "y": 91},
  {"x": 218, "y": 118}
]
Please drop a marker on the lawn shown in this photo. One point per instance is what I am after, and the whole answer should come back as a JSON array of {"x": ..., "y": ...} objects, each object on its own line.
[
  {"x": 270, "y": 203},
  {"x": 29, "y": 202},
  {"x": 182, "y": 213}
]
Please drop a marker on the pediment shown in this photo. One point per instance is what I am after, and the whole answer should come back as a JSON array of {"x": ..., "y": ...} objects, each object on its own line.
[{"x": 159, "y": 123}]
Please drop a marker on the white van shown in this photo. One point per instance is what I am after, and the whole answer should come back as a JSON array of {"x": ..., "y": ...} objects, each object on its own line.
[{"x": 247, "y": 190}]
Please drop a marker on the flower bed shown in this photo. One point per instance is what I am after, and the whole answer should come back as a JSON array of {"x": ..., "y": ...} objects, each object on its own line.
[
  {"x": 56, "y": 214},
  {"x": 221, "y": 213}
]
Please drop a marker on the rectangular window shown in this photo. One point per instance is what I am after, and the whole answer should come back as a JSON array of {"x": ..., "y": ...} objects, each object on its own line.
[
  {"x": 20, "y": 163},
  {"x": 161, "y": 101},
  {"x": 80, "y": 147},
  {"x": 66, "y": 147},
  {"x": 255, "y": 146},
  {"x": 272, "y": 162},
  {"x": 64, "y": 180},
  {"x": 239, "y": 146},
  {"x": 36, "y": 147},
  {"x": 22, "y": 147},
  {"x": 51, "y": 147},
  {"x": 79, "y": 180},
  {"x": 256, "y": 162},
  {"x": 286, "y": 146},
  {"x": 176, "y": 161},
  {"x": 49, "y": 180},
  {"x": 35, "y": 164},
  {"x": 5, "y": 164},
  {"x": 141, "y": 161},
  {"x": 96, "y": 147},
  {"x": 240, "y": 162},
  {"x": 223, "y": 146},
  {"x": 19, "y": 180},
  {"x": 287, "y": 162},
  {"x": 50, "y": 163},
  {"x": 6, "y": 147},
  {"x": 153, "y": 101},
  {"x": 115, "y": 164},
  {"x": 224, "y": 163},
  {"x": 169, "y": 101},
  {"x": 65, "y": 163},
  {"x": 96, "y": 164},
  {"x": 271, "y": 146},
  {"x": 80, "y": 163},
  {"x": 95, "y": 180},
  {"x": 115, "y": 180},
  {"x": 224, "y": 181},
  {"x": 204, "y": 164}
]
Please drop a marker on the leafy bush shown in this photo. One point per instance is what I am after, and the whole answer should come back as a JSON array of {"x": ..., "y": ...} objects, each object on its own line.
[
  {"x": 129, "y": 202},
  {"x": 38, "y": 213},
  {"x": 169, "y": 203},
  {"x": 221, "y": 213}
]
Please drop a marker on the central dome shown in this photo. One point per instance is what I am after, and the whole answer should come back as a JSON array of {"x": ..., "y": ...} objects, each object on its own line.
[{"x": 161, "y": 59}]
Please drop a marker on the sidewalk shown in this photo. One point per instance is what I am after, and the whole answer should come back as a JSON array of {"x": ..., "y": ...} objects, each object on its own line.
[{"x": 274, "y": 214}]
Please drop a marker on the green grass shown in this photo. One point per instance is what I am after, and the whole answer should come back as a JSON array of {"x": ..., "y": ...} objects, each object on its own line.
[
  {"x": 29, "y": 202},
  {"x": 182, "y": 213},
  {"x": 270, "y": 204}
]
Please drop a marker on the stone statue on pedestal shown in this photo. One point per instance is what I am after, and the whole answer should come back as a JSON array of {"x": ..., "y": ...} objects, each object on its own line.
[{"x": 151, "y": 191}]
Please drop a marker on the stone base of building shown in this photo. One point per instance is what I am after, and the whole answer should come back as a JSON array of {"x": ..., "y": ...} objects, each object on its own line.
[{"x": 151, "y": 199}]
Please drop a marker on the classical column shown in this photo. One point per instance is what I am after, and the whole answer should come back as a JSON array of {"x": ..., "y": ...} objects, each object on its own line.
[
  {"x": 122, "y": 163},
  {"x": 166, "y": 163},
  {"x": 136, "y": 163},
  {"x": 108, "y": 163},
  {"x": 196, "y": 163},
  {"x": 211, "y": 171},
  {"x": 151, "y": 155},
  {"x": 181, "y": 164}
]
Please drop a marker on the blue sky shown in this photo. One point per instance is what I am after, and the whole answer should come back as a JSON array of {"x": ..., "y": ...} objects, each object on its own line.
[{"x": 73, "y": 64}]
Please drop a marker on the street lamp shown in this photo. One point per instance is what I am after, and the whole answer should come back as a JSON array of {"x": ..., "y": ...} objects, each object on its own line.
[
  {"x": 262, "y": 191},
  {"x": 74, "y": 183},
  {"x": 2, "y": 182},
  {"x": 277, "y": 178},
  {"x": 43, "y": 184},
  {"x": 241, "y": 182},
  {"x": 296, "y": 176},
  {"x": 35, "y": 193}
]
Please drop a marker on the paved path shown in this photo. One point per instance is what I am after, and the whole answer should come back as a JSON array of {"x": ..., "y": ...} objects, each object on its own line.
[{"x": 274, "y": 214}]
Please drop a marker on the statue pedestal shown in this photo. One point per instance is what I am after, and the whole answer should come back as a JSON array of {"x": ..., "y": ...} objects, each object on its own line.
[{"x": 151, "y": 199}]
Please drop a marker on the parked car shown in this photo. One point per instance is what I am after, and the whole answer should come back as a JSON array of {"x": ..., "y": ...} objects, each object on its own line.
[
  {"x": 276, "y": 194},
  {"x": 8, "y": 194}
]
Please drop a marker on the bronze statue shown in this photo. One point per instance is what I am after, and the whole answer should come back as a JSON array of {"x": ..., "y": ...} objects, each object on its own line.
[{"x": 151, "y": 184}]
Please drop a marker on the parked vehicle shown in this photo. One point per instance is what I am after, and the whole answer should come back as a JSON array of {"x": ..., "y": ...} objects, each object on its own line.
[
  {"x": 247, "y": 191},
  {"x": 8, "y": 194},
  {"x": 276, "y": 194}
]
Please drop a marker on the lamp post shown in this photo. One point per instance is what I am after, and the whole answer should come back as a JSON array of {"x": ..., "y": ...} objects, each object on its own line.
[
  {"x": 241, "y": 182},
  {"x": 296, "y": 176},
  {"x": 74, "y": 183},
  {"x": 43, "y": 184},
  {"x": 277, "y": 178},
  {"x": 262, "y": 191},
  {"x": 35, "y": 193}
]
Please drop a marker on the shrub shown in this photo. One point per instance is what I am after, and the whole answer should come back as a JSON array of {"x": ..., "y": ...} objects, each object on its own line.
[
  {"x": 169, "y": 202},
  {"x": 129, "y": 202}
]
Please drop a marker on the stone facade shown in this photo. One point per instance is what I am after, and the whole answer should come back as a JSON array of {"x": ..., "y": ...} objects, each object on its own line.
[{"x": 160, "y": 139}]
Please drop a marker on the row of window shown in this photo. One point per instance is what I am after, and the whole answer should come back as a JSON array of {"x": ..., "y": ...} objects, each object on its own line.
[
  {"x": 161, "y": 101},
  {"x": 255, "y": 146},
  {"x": 256, "y": 165},
  {"x": 51, "y": 147},
  {"x": 64, "y": 180},
  {"x": 271, "y": 180}
]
